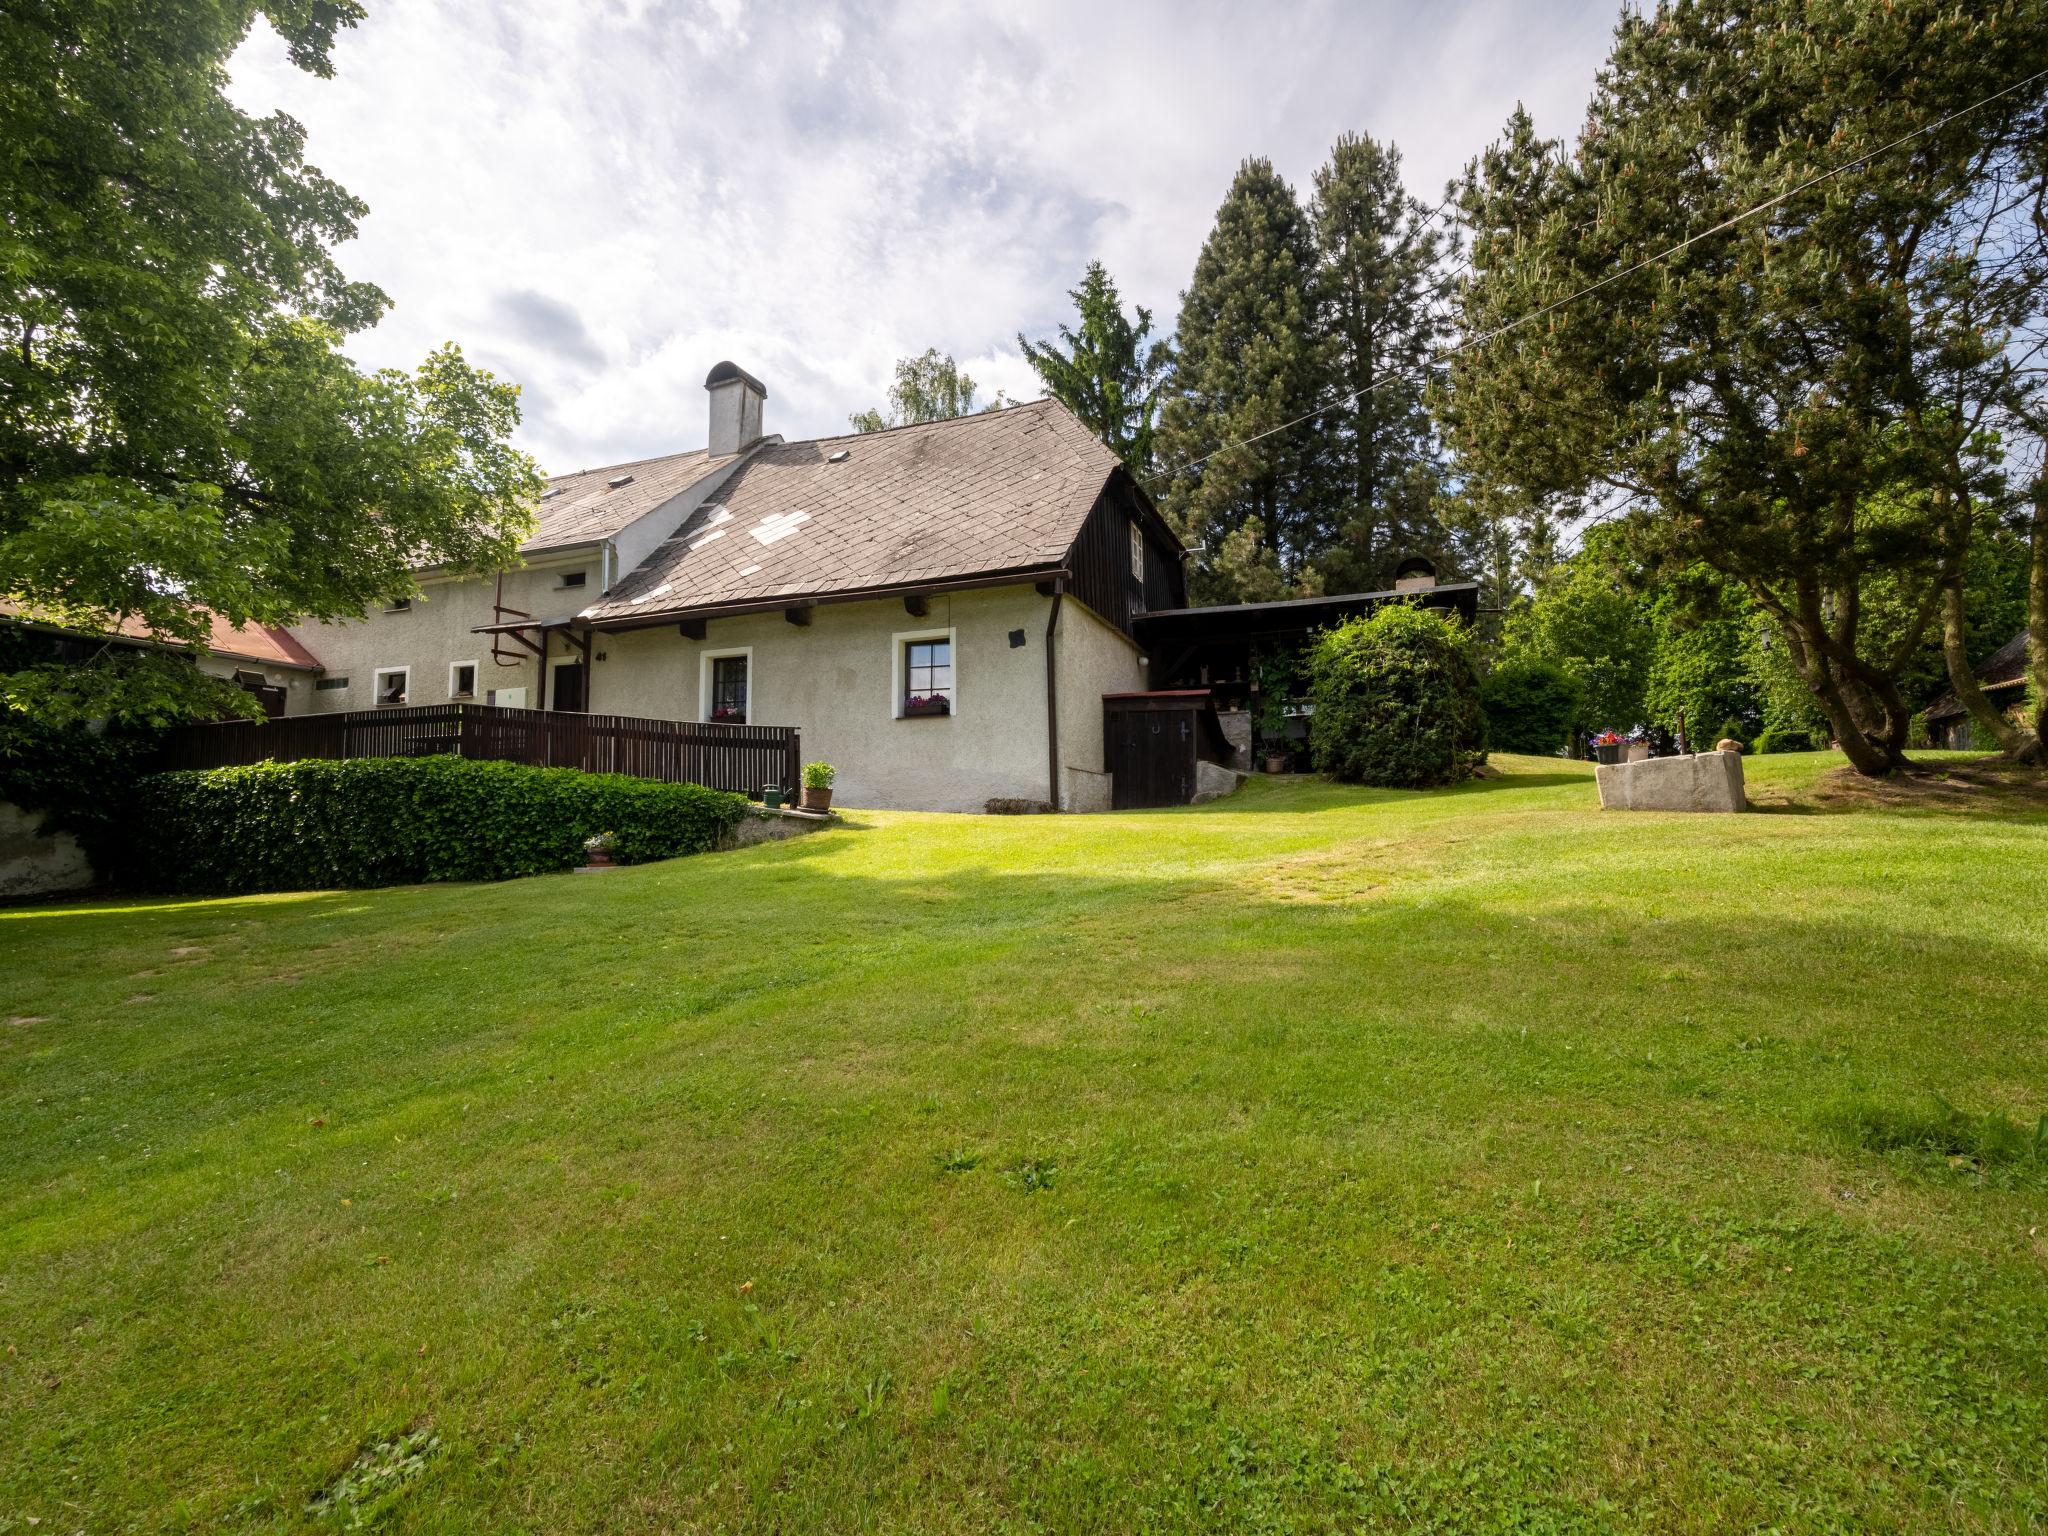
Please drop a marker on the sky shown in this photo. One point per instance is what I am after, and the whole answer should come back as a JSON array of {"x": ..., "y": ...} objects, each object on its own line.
[{"x": 600, "y": 199}]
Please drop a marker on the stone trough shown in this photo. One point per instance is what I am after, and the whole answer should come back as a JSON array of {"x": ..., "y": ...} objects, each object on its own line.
[{"x": 1704, "y": 781}]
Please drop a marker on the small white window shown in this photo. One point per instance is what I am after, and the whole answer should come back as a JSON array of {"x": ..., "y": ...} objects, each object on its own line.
[
  {"x": 922, "y": 676},
  {"x": 1137, "y": 553},
  {"x": 393, "y": 683},
  {"x": 462, "y": 680},
  {"x": 725, "y": 684}
]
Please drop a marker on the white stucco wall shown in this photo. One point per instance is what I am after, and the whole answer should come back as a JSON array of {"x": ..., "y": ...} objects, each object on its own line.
[
  {"x": 34, "y": 865},
  {"x": 1094, "y": 659},
  {"x": 836, "y": 681},
  {"x": 436, "y": 632}
]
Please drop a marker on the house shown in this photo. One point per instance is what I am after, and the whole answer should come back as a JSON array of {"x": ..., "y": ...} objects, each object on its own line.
[
  {"x": 269, "y": 662},
  {"x": 940, "y": 609},
  {"x": 2003, "y": 677}
]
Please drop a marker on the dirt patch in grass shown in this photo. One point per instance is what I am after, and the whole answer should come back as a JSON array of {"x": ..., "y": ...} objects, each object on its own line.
[{"x": 1988, "y": 784}]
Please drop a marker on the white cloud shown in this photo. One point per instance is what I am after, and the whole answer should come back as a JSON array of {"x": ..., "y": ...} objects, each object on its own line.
[{"x": 602, "y": 200}]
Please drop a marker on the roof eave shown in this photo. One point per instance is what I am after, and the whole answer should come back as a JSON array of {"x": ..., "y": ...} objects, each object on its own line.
[{"x": 661, "y": 618}]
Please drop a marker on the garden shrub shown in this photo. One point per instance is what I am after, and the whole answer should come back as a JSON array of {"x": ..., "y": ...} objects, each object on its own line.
[
  {"x": 1396, "y": 699},
  {"x": 1530, "y": 706},
  {"x": 1784, "y": 739},
  {"x": 1731, "y": 730},
  {"x": 392, "y": 821}
]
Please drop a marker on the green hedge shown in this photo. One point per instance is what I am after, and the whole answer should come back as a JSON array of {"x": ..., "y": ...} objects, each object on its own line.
[
  {"x": 1784, "y": 739},
  {"x": 396, "y": 821},
  {"x": 1396, "y": 699},
  {"x": 1531, "y": 706}
]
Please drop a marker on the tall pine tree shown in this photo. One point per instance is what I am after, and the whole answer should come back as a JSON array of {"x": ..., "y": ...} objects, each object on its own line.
[
  {"x": 1107, "y": 375},
  {"x": 1248, "y": 364},
  {"x": 1380, "y": 470}
]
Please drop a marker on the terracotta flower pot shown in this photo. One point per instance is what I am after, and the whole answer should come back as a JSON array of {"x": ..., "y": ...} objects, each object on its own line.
[
  {"x": 1276, "y": 762},
  {"x": 817, "y": 799},
  {"x": 597, "y": 858}
]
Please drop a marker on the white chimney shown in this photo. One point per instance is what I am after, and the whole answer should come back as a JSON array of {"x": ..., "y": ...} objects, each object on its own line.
[
  {"x": 1414, "y": 574},
  {"x": 736, "y": 401}
]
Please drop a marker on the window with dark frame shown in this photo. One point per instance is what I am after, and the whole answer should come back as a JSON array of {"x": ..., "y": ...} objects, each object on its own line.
[
  {"x": 329, "y": 684},
  {"x": 729, "y": 689},
  {"x": 927, "y": 677}
]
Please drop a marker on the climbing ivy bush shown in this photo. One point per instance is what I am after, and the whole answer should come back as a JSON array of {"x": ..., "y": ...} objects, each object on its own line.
[
  {"x": 1396, "y": 699},
  {"x": 396, "y": 821}
]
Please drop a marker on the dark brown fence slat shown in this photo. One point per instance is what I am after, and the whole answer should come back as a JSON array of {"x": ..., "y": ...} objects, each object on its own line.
[{"x": 735, "y": 757}]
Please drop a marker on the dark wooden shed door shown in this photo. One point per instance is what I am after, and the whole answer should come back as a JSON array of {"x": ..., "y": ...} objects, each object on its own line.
[{"x": 1152, "y": 755}]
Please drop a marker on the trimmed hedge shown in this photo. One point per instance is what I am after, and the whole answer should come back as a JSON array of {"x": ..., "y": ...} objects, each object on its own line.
[
  {"x": 1396, "y": 700},
  {"x": 1784, "y": 739},
  {"x": 1531, "y": 706},
  {"x": 398, "y": 821}
]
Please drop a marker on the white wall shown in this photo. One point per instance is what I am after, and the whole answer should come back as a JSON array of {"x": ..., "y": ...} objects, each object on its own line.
[
  {"x": 435, "y": 633},
  {"x": 834, "y": 680}
]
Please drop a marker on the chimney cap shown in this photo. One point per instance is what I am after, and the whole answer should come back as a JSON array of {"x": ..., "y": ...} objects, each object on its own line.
[
  {"x": 1415, "y": 565},
  {"x": 728, "y": 372}
]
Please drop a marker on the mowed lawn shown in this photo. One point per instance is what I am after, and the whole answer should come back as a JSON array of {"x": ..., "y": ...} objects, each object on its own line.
[{"x": 1317, "y": 1160}]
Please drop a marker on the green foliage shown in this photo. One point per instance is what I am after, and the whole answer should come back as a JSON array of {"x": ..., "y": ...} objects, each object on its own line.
[
  {"x": 1587, "y": 618},
  {"x": 1785, "y": 739},
  {"x": 83, "y": 778},
  {"x": 928, "y": 387},
  {"x": 1531, "y": 705},
  {"x": 1396, "y": 699},
  {"x": 819, "y": 775},
  {"x": 1248, "y": 363},
  {"x": 1107, "y": 375},
  {"x": 1798, "y": 400},
  {"x": 393, "y": 821},
  {"x": 183, "y": 430}
]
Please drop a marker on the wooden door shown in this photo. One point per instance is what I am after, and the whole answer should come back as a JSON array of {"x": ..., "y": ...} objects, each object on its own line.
[
  {"x": 1151, "y": 757},
  {"x": 568, "y": 686}
]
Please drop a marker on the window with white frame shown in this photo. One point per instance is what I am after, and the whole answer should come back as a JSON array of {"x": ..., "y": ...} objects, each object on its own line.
[
  {"x": 725, "y": 686},
  {"x": 922, "y": 674},
  {"x": 393, "y": 683},
  {"x": 1137, "y": 553},
  {"x": 462, "y": 680}
]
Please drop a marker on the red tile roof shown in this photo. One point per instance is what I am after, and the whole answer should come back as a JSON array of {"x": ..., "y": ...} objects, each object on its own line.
[{"x": 261, "y": 643}]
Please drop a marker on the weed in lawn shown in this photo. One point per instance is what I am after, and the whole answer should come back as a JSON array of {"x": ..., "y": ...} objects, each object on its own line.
[
  {"x": 373, "y": 1482},
  {"x": 1031, "y": 1174},
  {"x": 959, "y": 1160},
  {"x": 1979, "y": 1144}
]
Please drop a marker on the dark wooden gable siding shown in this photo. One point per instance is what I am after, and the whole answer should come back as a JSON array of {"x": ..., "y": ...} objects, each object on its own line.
[{"x": 1101, "y": 557}]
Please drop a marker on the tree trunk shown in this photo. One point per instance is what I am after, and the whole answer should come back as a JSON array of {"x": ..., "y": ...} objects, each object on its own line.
[
  {"x": 2037, "y": 620},
  {"x": 1955, "y": 650}
]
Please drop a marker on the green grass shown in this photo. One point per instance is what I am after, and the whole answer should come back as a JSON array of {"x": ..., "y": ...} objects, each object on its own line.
[{"x": 1318, "y": 1160}]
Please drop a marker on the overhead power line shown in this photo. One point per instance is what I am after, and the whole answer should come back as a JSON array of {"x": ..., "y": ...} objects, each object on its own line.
[{"x": 1480, "y": 340}]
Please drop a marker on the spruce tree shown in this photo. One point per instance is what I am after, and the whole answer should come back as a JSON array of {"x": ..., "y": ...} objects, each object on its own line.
[
  {"x": 1107, "y": 375},
  {"x": 1380, "y": 471},
  {"x": 1248, "y": 364}
]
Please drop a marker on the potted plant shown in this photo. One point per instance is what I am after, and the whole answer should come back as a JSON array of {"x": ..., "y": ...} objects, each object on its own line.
[
  {"x": 818, "y": 779},
  {"x": 1608, "y": 746},
  {"x": 597, "y": 851}
]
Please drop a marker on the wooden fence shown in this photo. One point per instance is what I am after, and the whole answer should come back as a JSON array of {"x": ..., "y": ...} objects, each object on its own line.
[{"x": 735, "y": 757}]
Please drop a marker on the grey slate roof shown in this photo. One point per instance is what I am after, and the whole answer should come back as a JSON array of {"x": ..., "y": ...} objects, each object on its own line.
[
  {"x": 586, "y": 508},
  {"x": 944, "y": 501}
]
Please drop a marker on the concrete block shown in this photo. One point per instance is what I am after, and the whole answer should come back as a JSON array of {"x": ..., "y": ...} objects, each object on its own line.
[
  {"x": 1213, "y": 781},
  {"x": 34, "y": 865},
  {"x": 1705, "y": 781}
]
